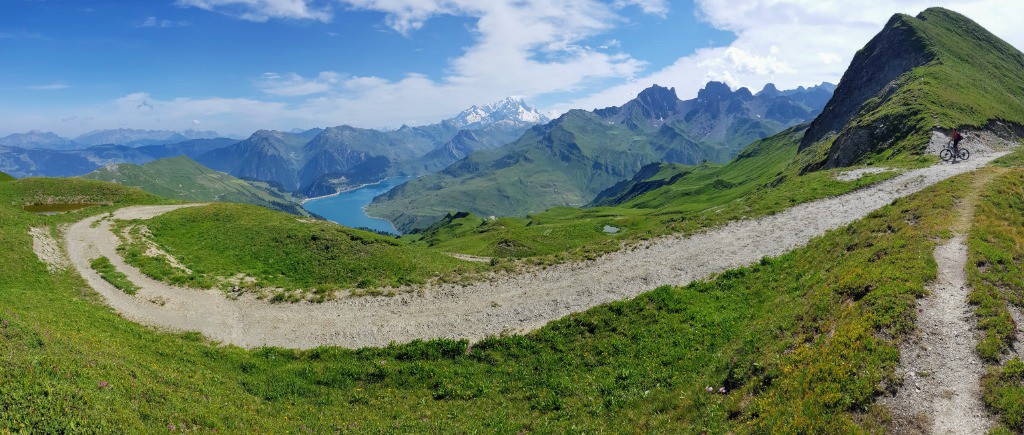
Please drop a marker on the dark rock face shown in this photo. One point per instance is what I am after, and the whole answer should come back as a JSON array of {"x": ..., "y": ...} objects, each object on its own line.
[
  {"x": 893, "y": 52},
  {"x": 640, "y": 184},
  {"x": 264, "y": 156}
]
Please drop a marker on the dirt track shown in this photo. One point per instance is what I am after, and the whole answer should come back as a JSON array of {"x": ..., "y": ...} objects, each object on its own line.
[
  {"x": 516, "y": 304},
  {"x": 941, "y": 391}
]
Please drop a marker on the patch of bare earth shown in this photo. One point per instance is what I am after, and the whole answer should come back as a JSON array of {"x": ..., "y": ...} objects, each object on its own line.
[{"x": 48, "y": 250}]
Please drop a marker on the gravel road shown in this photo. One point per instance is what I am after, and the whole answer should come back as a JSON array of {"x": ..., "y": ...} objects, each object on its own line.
[{"x": 512, "y": 304}]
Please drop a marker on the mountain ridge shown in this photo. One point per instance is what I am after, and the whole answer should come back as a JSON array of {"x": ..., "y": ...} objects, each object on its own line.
[
  {"x": 185, "y": 179},
  {"x": 342, "y": 156},
  {"x": 938, "y": 69},
  {"x": 571, "y": 159}
]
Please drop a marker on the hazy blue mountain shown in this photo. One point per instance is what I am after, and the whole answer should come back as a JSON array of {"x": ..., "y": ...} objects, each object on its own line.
[
  {"x": 267, "y": 155},
  {"x": 321, "y": 161},
  {"x": 134, "y": 137},
  {"x": 37, "y": 139},
  {"x": 27, "y": 162},
  {"x": 24, "y": 162}
]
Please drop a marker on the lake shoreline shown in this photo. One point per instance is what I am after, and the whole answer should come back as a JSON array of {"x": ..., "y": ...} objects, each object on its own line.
[{"x": 338, "y": 206}]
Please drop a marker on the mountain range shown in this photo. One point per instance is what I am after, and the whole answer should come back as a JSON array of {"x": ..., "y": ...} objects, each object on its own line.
[
  {"x": 34, "y": 161},
  {"x": 343, "y": 156},
  {"x": 121, "y": 136},
  {"x": 311, "y": 162},
  {"x": 571, "y": 159}
]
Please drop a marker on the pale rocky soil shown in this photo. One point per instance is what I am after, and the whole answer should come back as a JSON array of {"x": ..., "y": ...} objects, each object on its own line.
[
  {"x": 941, "y": 372},
  {"x": 512, "y": 304},
  {"x": 855, "y": 174},
  {"x": 467, "y": 257},
  {"x": 47, "y": 249}
]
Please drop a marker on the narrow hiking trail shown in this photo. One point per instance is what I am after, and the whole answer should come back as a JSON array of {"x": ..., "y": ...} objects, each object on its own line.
[
  {"x": 511, "y": 304},
  {"x": 942, "y": 372}
]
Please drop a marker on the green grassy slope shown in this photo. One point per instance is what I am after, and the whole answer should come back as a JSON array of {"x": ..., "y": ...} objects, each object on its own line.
[
  {"x": 995, "y": 247},
  {"x": 5, "y": 177},
  {"x": 801, "y": 343},
  {"x": 182, "y": 178},
  {"x": 279, "y": 250},
  {"x": 973, "y": 78},
  {"x": 649, "y": 178},
  {"x": 763, "y": 179}
]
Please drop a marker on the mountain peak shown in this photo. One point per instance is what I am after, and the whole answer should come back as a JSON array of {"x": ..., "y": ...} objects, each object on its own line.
[
  {"x": 769, "y": 90},
  {"x": 657, "y": 93},
  {"x": 511, "y": 111},
  {"x": 714, "y": 91},
  {"x": 898, "y": 87}
]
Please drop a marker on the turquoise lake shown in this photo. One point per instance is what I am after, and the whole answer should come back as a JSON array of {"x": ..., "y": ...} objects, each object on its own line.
[{"x": 346, "y": 208}]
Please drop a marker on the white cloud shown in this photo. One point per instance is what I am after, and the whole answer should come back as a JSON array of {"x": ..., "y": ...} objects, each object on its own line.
[
  {"x": 793, "y": 42},
  {"x": 531, "y": 48},
  {"x": 263, "y": 10},
  {"x": 154, "y": 22},
  {"x": 294, "y": 85},
  {"x": 49, "y": 87},
  {"x": 653, "y": 7},
  {"x": 522, "y": 47}
]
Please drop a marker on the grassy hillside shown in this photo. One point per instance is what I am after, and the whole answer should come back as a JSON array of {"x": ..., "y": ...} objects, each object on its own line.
[
  {"x": 801, "y": 343},
  {"x": 5, "y": 177},
  {"x": 995, "y": 246},
  {"x": 970, "y": 79},
  {"x": 182, "y": 178},
  {"x": 278, "y": 250},
  {"x": 763, "y": 179}
]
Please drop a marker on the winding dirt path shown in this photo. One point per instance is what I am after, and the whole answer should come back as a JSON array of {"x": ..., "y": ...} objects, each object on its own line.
[
  {"x": 942, "y": 372},
  {"x": 514, "y": 304}
]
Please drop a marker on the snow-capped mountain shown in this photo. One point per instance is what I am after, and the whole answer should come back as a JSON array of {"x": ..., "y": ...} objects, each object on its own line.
[{"x": 511, "y": 112}]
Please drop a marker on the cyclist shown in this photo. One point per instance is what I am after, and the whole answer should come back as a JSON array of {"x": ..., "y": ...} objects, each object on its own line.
[{"x": 957, "y": 137}]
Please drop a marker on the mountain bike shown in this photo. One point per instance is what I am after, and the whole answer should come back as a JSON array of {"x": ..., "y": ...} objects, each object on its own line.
[{"x": 947, "y": 153}]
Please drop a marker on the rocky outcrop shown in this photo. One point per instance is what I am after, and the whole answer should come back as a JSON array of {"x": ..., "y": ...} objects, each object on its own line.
[{"x": 873, "y": 74}]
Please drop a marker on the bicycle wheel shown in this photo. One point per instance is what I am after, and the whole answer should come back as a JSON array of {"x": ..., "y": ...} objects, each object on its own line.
[
  {"x": 946, "y": 154},
  {"x": 964, "y": 154}
]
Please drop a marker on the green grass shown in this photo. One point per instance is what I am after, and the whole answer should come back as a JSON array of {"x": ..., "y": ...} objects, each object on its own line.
[
  {"x": 109, "y": 273},
  {"x": 802, "y": 342},
  {"x": 762, "y": 180},
  {"x": 134, "y": 249},
  {"x": 996, "y": 276},
  {"x": 184, "y": 179},
  {"x": 316, "y": 258},
  {"x": 5, "y": 177}
]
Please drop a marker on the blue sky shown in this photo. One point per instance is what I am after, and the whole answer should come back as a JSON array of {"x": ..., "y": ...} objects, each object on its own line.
[{"x": 238, "y": 65}]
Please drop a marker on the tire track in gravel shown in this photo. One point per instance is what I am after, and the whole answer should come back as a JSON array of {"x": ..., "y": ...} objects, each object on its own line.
[{"x": 513, "y": 304}]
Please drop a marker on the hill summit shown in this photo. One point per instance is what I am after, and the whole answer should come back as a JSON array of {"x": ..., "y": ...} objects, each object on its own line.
[{"x": 938, "y": 69}]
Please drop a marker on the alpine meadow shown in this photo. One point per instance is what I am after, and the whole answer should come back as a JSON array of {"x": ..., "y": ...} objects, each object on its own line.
[{"x": 607, "y": 217}]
